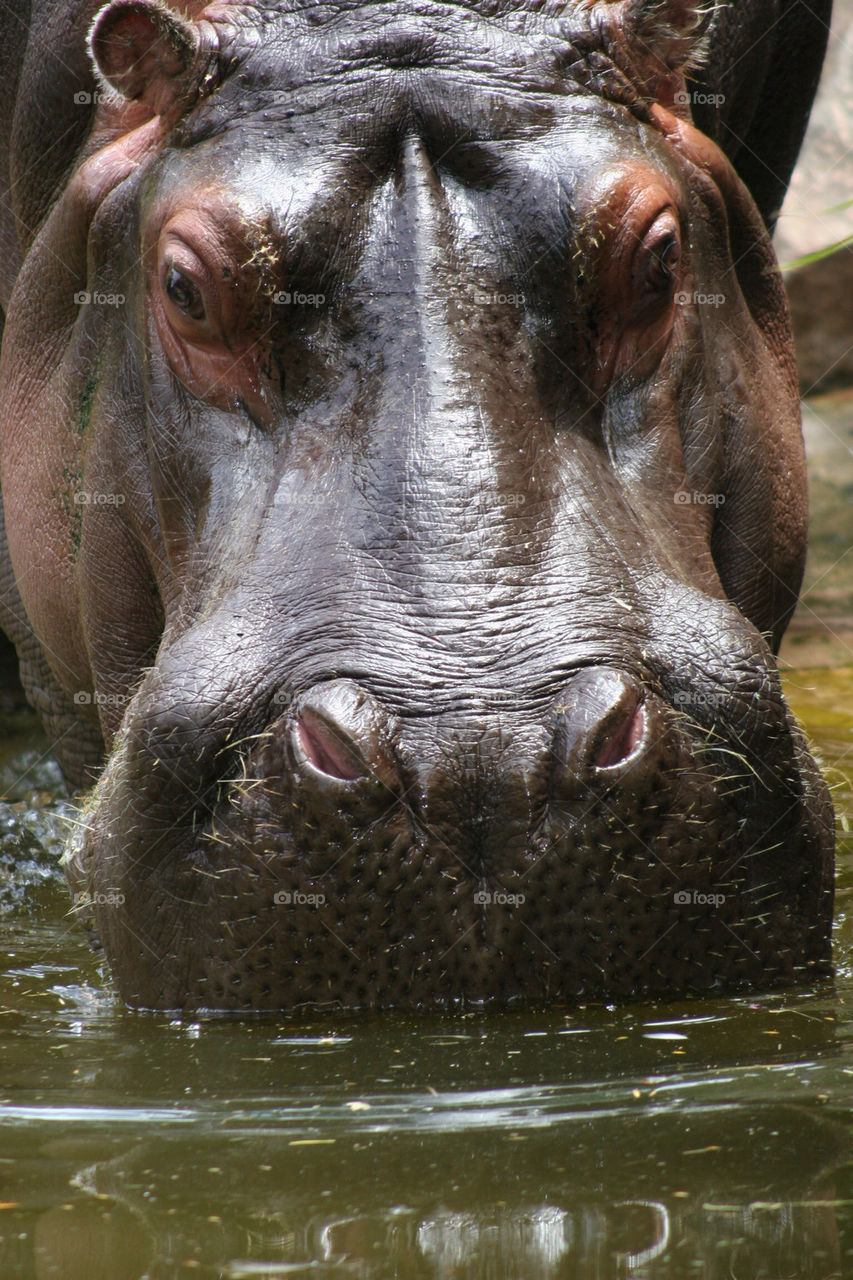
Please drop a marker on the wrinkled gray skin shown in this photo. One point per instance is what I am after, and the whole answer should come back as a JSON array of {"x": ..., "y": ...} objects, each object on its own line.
[{"x": 414, "y": 538}]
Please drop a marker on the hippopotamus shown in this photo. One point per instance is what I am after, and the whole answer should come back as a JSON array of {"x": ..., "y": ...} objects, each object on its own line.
[{"x": 405, "y": 496}]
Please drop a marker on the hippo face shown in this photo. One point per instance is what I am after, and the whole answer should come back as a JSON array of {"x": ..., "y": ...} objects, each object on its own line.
[{"x": 445, "y": 508}]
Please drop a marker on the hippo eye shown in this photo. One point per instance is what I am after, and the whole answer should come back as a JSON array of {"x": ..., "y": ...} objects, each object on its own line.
[
  {"x": 183, "y": 294},
  {"x": 663, "y": 263}
]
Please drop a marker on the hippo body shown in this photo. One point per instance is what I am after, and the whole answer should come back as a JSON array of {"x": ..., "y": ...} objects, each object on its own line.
[{"x": 405, "y": 496}]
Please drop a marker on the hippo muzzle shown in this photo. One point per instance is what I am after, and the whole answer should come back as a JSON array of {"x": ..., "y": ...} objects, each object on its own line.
[
  {"x": 443, "y": 509},
  {"x": 612, "y": 830}
]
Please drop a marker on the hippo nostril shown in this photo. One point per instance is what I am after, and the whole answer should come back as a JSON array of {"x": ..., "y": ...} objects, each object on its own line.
[
  {"x": 327, "y": 750},
  {"x": 623, "y": 741},
  {"x": 601, "y": 722},
  {"x": 342, "y": 732}
]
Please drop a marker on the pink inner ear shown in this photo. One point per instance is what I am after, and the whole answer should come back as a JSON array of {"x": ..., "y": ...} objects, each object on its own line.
[
  {"x": 134, "y": 32},
  {"x": 139, "y": 45}
]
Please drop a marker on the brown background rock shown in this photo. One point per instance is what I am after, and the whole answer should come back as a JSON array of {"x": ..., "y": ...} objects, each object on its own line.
[{"x": 821, "y": 293}]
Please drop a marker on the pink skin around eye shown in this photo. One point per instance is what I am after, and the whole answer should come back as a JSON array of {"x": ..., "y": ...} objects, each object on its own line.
[
  {"x": 214, "y": 353},
  {"x": 635, "y": 285}
]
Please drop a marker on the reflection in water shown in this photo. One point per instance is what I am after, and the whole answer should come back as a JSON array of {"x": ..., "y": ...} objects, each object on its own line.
[
  {"x": 547, "y": 1202},
  {"x": 539, "y": 1238},
  {"x": 538, "y": 1242},
  {"x": 91, "y": 1241}
]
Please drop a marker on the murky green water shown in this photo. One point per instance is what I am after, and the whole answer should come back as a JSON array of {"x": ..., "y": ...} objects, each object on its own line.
[{"x": 695, "y": 1139}]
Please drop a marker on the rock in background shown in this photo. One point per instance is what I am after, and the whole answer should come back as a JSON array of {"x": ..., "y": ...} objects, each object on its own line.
[
  {"x": 812, "y": 218},
  {"x": 821, "y": 631}
]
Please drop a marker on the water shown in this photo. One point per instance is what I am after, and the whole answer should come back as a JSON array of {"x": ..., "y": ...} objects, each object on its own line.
[{"x": 701, "y": 1139}]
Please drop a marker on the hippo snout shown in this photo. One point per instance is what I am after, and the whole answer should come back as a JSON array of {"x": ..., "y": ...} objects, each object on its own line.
[{"x": 600, "y": 832}]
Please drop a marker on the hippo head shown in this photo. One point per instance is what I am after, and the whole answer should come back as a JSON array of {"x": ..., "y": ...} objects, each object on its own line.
[{"x": 429, "y": 508}]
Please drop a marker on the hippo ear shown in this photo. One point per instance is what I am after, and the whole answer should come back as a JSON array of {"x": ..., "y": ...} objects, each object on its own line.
[
  {"x": 669, "y": 32},
  {"x": 143, "y": 50},
  {"x": 659, "y": 40}
]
